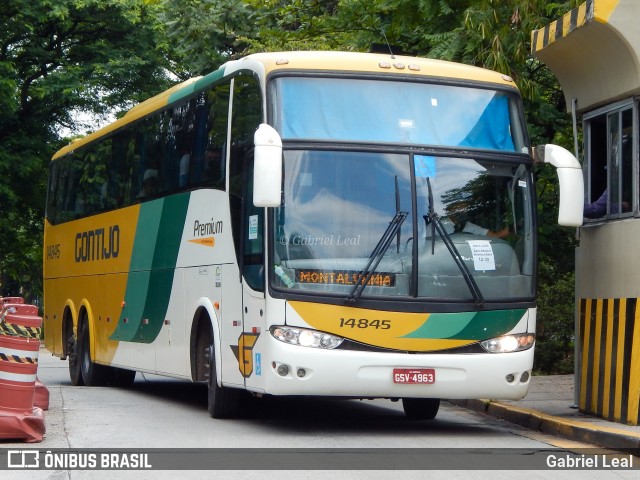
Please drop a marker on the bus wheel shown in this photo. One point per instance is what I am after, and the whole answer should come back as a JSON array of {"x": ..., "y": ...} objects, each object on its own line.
[
  {"x": 93, "y": 374},
  {"x": 121, "y": 377},
  {"x": 74, "y": 361},
  {"x": 421, "y": 408},
  {"x": 222, "y": 402}
]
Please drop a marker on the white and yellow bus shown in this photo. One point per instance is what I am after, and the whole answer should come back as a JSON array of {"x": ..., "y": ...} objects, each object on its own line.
[{"x": 305, "y": 223}]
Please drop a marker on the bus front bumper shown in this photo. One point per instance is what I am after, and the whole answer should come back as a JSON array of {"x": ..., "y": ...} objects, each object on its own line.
[{"x": 298, "y": 370}]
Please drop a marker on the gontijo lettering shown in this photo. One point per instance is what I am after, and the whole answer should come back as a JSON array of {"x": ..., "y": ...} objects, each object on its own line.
[{"x": 98, "y": 244}]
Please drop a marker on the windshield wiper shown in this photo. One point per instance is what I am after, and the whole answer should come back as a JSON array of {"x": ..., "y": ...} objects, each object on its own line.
[
  {"x": 376, "y": 256},
  {"x": 436, "y": 224}
]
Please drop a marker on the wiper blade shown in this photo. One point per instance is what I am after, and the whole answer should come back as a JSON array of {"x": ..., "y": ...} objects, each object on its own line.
[
  {"x": 436, "y": 224},
  {"x": 376, "y": 256},
  {"x": 455, "y": 254}
]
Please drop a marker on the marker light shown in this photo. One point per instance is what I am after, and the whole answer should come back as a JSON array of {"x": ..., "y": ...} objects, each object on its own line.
[
  {"x": 509, "y": 343},
  {"x": 306, "y": 338}
]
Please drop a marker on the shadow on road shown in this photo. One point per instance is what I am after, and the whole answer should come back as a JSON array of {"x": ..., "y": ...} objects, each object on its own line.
[{"x": 295, "y": 414}]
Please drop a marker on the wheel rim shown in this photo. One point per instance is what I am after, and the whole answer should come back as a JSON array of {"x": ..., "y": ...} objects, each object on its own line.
[
  {"x": 85, "y": 354},
  {"x": 72, "y": 346}
]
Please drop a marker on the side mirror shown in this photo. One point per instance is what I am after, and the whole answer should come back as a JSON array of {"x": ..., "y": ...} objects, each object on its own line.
[
  {"x": 267, "y": 170},
  {"x": 571, "y": 182}
]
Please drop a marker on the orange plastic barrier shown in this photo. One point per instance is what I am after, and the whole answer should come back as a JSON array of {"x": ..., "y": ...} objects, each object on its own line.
[
  {"x": 28, "y": 427},
  {"x": 12, "y": 299},
  {"x": 22, "y": 308},
  {"x": 41, "y": 397},
  {"x": 18, "y": 370},
  {"x": 19, "y": 349}
]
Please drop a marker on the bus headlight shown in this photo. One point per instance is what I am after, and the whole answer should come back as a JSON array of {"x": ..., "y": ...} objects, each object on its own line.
[
  {"x": 306, "y": 338},
  {"x": 509, "y": 343}
]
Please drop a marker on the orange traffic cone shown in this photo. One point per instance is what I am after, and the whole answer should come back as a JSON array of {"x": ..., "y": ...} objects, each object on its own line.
[{"x": 19, "y": 349}]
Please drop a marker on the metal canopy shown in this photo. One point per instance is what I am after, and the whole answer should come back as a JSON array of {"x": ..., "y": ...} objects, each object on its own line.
[{"x": 593, "y": 51}]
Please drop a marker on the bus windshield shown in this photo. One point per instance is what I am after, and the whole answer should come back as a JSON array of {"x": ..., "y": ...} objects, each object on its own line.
[
  {"x": 349, "y": 213},
  {"x": 401, "y": 112}
]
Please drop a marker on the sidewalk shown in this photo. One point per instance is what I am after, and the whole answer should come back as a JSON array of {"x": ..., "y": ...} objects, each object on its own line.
[{"x": 550, "y": 407}]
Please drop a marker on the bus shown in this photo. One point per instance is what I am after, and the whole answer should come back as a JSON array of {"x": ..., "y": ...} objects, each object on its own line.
[
  {"x": 305, "y": 223},
  {"x": 594, "y": 51}
]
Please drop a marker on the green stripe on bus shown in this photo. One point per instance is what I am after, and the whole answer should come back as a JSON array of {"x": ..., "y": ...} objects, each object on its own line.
[
  {"x": 201, "y": 84},
  {"x": 153, "y": 262},
  {"x": 209, "y": 79},
  {"x": 468, "y": 325}
]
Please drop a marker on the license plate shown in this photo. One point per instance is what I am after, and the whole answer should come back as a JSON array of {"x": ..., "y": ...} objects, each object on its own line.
[{"x": 414, "y": 375}]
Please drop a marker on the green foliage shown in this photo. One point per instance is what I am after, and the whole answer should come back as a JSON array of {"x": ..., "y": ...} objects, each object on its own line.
[
  {"x": 58, "y": 57},
  {"x": 203, "y": 34},
  {"x": 283, "y": 25},
  {"x": 556, "y": 314}
]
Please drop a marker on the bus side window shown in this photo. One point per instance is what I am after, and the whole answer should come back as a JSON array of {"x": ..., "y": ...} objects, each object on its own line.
[
  {"x": 142, "y": 135},
  {"x": 247, "y": 221},
  {"x": 214, "y": 159},
  {"x": 66, "y": 210},
  {"x": 94, "y": 165},
  {"x": 118, "y": 184},
  {"x": 182, "y": 129},
  {"x": 54, "y": 191},
  {"x": 208, "y": 159}
]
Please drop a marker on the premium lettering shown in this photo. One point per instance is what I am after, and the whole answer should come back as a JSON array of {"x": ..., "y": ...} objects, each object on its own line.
[{"x": 212, "y": 227}]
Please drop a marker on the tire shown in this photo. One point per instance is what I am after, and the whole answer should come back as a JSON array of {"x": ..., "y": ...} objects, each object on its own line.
[
  {"x": 421, "y": 408},
  {"x": 222, "y": 402},
  {"x": 93, "y": 375},
  {"x": 73, "y": 352},
  {"x": 121, "y": 377}
]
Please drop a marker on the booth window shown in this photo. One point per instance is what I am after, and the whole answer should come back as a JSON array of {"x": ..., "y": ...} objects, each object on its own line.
[{"x": 611, "y": 147}]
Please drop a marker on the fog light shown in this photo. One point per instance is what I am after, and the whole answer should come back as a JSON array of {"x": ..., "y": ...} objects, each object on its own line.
[
  {"x": 524, "y": 378},
  {"x": 510, "y": 378},
  {"x": 301, "y": 372},
  {"x": 282, "y": 370}
]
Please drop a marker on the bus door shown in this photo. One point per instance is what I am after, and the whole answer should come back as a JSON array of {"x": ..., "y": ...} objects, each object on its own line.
[
  {"x": 248, "y": 225},
  {"x": 253, "y": 286},
  {"x": 251, "y": 361},
  {"x": 243, "y": 296}
]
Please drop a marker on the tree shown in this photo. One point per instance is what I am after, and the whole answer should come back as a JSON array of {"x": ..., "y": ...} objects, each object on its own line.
[
  {"x": 203, "y": 34},
  {"x": 58, "y": 57}
]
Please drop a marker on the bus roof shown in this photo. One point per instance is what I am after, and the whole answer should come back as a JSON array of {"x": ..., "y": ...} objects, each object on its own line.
[
  {"x": 371, "y": 63},
  {"x": 327, "y": 61},
  {"x": 594, "y": 51}
]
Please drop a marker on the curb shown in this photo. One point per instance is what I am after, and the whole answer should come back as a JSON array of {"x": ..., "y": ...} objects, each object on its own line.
[{"x": 602, "y": 436}]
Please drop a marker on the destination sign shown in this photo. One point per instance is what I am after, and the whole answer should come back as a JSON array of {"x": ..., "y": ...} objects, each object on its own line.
[{"x": 344, "y": 277}]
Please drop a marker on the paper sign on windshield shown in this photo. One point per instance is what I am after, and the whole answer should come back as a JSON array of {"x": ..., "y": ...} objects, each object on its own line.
[{"x": 482, "y": 254}]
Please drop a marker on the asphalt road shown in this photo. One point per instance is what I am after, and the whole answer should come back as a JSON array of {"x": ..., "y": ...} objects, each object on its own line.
[{"x": 163, "y": 413}]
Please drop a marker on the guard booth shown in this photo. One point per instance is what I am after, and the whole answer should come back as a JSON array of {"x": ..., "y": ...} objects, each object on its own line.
[{"x": 594, "y": 53}]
